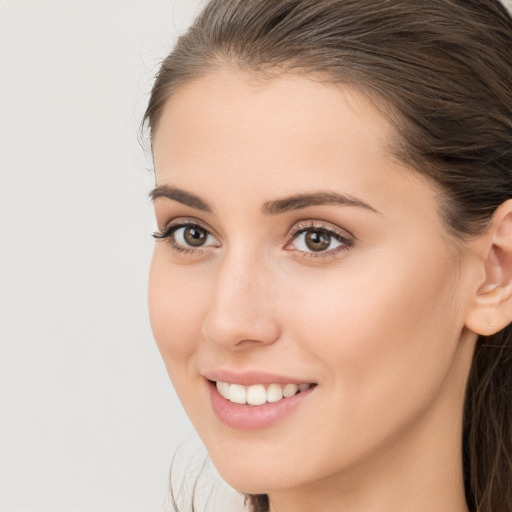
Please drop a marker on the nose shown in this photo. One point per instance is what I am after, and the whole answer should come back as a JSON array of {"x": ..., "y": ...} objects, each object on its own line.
[{"x": 242, "y": 311}]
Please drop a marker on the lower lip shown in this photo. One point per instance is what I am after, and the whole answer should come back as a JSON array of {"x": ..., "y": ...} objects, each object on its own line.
[{"x": 254, "y": 417}]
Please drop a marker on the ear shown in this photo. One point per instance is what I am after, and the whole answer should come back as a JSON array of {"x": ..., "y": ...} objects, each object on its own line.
[{"x": 492, "y": 306}]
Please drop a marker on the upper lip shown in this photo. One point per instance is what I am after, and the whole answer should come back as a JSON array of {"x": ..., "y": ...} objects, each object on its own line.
[{"x": 249, "y": 378}]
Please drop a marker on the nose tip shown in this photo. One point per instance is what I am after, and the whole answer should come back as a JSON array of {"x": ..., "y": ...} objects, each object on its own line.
[
  {"x": 232, "y": 331},
  {"x": 241, "y": 314}
]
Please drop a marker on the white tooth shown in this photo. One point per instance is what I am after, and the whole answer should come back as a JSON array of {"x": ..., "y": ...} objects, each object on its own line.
[
  {"x": 303, "y": 387},
  {"x": 290, "y": 390},
  {"x": 256, "y": 395},
  {"x": 223, "y": 388},
  {"x": 274, "y": 393},
  {"x": 237, "y": 394}
]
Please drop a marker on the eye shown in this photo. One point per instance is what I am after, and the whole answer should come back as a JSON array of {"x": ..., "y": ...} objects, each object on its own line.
[
  {"x": 315, "y": 240},
  {"x": 318, "y": 240},
  {"x": 192, "y": 236},
  {"x": 187, "y": 236}
]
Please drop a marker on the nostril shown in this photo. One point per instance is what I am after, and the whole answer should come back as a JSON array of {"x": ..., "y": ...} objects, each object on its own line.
[{"x": 237, "y": 334}]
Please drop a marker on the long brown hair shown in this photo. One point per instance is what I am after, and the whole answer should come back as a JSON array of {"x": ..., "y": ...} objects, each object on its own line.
[{"x": 441, "y": 71}]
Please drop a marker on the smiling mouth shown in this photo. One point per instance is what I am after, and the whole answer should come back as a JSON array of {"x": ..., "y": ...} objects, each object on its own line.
[{"x": 259, "y": 394}]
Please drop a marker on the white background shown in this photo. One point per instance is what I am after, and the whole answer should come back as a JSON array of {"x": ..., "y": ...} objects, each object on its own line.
[{"x": 88, "y": 419}]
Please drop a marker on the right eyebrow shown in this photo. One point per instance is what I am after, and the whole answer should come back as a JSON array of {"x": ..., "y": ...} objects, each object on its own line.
[
  {"x": 302, "y": 201},
  {"x": 181, "y": 196}
]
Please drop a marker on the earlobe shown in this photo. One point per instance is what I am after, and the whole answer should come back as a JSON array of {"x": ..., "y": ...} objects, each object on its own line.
[{"x": 492, "y": 307}]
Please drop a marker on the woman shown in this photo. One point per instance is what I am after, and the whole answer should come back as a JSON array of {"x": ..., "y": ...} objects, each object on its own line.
[{"x": 331, "y": 287}]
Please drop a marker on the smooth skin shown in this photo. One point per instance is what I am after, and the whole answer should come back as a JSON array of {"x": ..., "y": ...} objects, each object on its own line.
[{"x": 384, "y": 319}]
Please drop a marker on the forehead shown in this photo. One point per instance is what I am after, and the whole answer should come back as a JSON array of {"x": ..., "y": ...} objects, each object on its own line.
[
  {"x": 232, "y": 106},
  {"x": 239, "y": 137}
]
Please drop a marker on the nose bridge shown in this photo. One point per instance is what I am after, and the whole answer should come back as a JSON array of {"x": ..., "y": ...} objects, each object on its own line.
[{"x": 241, "y": 311}]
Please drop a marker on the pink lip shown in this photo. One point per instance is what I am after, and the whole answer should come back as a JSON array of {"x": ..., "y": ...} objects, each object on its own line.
[
  {"x": 252, "y": 377},
  {"x": 254, "y": 417}
]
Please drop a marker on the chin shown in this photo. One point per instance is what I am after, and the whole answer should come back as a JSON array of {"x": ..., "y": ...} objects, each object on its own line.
[
  {"x": 251, "y": 483},
  {"x": 253, "y": 473}
]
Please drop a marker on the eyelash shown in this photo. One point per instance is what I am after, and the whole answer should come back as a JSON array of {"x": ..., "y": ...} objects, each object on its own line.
[
  {"x": 346, "y": 241},
  {"x": 168, "y": 232}
]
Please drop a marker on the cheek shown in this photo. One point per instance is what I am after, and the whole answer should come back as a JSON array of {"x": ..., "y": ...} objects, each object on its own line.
[
  {"x": 382, "y": 330},
  {"x": 176, "y": 296}
]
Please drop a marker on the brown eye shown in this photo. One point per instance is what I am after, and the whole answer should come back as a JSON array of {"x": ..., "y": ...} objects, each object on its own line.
[
  {"x": 187, "y": 237},
  {"x": 317, "y": 241},
  {"x": 195, "y": 236}
]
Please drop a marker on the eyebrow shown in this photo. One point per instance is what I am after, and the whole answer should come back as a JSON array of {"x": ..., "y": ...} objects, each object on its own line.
[
  {"x": 275, "y": 207},
  {"x": 301, "y": 201},
  {"x": 181, "y": 196}
]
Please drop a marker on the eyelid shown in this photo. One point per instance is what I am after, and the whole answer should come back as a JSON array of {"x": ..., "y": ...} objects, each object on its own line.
[
  {"x": 167, "y": 234},
  {"x": 346, "y": 238},
  {"x": 179, "y": 222},
  {"x": 302, "y": 226}
]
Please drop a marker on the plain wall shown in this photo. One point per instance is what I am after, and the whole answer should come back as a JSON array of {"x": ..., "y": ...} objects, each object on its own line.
[{"x": 88, "y": 418}]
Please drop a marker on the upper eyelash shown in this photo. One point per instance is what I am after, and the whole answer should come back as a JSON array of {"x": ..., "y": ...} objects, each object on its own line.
[
  {"x": 170, "y": 228},
  {"x": 163, "y": 233},
  {"x": 299, "y": 228},
  {"x": 347, "y": 241}
]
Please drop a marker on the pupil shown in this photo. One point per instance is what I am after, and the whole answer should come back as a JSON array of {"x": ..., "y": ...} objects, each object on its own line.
[
  {"x": 317, "y": 240},
  {"x": 195, "y": 236}
]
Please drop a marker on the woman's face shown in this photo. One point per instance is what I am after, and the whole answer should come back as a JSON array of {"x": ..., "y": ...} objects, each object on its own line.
[{"x": 298, "y": 251}]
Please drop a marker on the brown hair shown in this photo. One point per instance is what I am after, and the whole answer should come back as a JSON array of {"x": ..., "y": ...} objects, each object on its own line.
[{"x": 442, "y": 72}]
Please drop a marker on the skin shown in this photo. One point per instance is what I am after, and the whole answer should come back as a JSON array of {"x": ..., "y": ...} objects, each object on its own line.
[{"x": 381, "y": 325}]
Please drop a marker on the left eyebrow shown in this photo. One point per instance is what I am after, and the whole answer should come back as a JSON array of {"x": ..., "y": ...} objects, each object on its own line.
[
  {"x": 181, "y": 196},
  {"x": 301, "y": 201}
]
